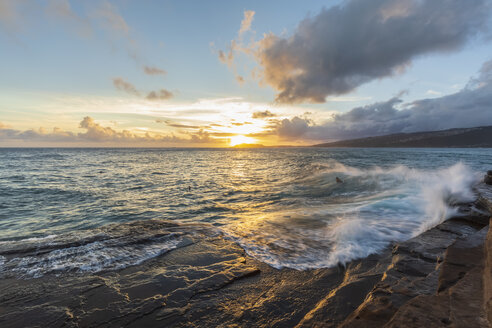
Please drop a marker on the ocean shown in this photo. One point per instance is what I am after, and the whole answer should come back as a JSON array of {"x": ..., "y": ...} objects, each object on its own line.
[{"x": 87, "y": 210}]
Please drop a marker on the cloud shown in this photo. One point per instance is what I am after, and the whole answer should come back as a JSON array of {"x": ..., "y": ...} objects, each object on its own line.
[
  {"x": 178, "y": 125},
  {"x": 99, "y": 133},
  {"x": 18, "y": 15},
  {"x": 162, "y": 94},
  {"x": 10, "y": 17},
  {"x": 122, "y": 85},
  {"x": 236, "y": 46},
  {"x": 227, "y": 59},
  {"x": 107, "y": 17},
  {"x": 62, "y": 9},
  {"x": 263, "y": 114},
  {"x": 41, "y": 134},
  {"x": 201, "y": 137},
  {"x": 154, "y": 71},
  {"x": 223, "y": 134},
  {"x": 96, "y": 133},
  {"x": 293, "y": 128},
  {"x": 347, "y": 45},
  {"x": 240, "y": 79},
  {"x": 246, "y": 22},
  {"x": 469, "y": 107},
  {"x": 111, "y": 19}
]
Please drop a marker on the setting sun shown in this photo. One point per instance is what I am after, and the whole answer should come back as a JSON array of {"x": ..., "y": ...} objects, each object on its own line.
[{"x": 237, "y": 140}]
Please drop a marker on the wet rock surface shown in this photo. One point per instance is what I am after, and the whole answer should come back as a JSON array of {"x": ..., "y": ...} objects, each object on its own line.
[
  {"x": 435, "y": 279},
  {"x": 207, "y": 283},
  {"x": 488, "y": 178},
  {"x": 441, "y": 278}
]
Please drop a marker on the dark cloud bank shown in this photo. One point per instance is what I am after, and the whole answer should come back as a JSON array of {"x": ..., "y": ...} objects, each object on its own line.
[
  {"x": 351, "y": 44},
  {"x": 470, "y": 107}
]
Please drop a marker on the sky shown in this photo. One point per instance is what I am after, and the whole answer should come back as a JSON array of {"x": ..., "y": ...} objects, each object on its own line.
[{"x": 129, "y": 73}]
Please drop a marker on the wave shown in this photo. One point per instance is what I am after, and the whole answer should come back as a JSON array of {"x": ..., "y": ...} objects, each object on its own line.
[
  {"x": 361, "y": 216},
  {"x": 110, "y": 247}
]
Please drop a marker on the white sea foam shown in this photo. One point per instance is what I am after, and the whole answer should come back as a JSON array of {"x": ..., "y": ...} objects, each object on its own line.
[
  {"x": 110, "y": 247},
  {"x": 92, "y": 257},
  {"x": 31, "y": 240},
  {"x": 375, "y": 206}
]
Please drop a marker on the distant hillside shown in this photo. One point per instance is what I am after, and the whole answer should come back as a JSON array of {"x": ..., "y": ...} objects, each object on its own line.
[{"x": 466, "y": 137}]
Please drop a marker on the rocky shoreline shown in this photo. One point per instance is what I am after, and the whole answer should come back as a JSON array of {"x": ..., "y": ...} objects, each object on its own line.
[{"x": 441, "y": 278}]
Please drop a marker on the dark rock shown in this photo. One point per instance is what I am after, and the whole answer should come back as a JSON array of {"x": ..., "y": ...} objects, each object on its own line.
[
  {"x": 487, "y": 275},
  {"x": 460, "y": 290},
  {"x": 360, "y": 277},
  {"x": 461, "y": 257},
  {"x": 437, "y": 260},
  {"x": 488, "y": 179},
  {"x": 208, "y": 283},
  {"x": 441, "y": 278}
]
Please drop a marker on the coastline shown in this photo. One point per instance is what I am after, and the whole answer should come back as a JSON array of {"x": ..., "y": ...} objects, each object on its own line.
[{"x": 440, "y": 278}]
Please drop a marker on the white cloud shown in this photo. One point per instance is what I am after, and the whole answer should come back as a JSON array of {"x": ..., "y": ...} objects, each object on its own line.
[{"x": 246, "y": 22}]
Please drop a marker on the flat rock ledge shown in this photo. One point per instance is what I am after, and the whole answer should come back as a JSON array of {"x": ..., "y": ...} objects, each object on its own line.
[{"x": 441, "y": 278}]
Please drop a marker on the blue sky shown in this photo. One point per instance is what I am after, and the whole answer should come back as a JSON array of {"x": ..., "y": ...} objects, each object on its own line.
[{"x": 60, "y": 58}]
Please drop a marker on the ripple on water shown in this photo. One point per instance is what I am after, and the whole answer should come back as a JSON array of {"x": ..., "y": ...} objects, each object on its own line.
[{"x": 283, "y": 206}]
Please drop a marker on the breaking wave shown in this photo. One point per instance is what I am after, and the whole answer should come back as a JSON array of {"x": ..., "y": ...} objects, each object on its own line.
[{"x": 370, "y": 209}]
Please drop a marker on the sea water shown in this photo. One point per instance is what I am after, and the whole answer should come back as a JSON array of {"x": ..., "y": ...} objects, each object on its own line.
[{"x": 86, "y": 210}]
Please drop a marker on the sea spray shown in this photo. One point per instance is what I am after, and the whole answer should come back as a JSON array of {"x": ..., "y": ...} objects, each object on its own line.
[
  {"x": 443, "y": 190},
  {"x": 372, "y": 208},
  {"x": 437, "y": 191}
]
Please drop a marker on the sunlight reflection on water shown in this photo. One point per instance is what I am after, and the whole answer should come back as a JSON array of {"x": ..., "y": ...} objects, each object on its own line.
[{"x": 282, "y": 205}]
